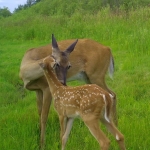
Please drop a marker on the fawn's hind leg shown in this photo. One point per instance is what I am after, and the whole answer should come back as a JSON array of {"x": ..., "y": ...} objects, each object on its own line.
[
  {"x": 95, "y": 130},
  {"x": 116, "y": 133}
]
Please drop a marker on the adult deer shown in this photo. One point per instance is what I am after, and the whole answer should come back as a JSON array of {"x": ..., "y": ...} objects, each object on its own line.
[
  {"x": 90, "y": 62},
  {"x": 90, "y": 102}
]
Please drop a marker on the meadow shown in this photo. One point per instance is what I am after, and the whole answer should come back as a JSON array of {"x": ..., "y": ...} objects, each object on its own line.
[{"x": 127, "y": 34}]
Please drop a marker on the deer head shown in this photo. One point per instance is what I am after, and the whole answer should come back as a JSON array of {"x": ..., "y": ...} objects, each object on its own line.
[{"x": 62, "y": 59}]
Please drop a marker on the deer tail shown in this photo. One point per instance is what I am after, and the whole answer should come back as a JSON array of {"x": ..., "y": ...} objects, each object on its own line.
[{"x": 111, "y": 67}]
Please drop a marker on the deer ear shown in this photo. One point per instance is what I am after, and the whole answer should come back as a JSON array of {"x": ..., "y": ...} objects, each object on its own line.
[
  {"x": 71, "y": 47},
  {"x": 54, "y": 42},
  {"x": 55, "y": 48}
]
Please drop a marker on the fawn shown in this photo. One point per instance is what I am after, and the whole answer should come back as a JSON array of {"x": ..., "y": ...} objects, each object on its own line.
[{"x": 90, "y": 102}]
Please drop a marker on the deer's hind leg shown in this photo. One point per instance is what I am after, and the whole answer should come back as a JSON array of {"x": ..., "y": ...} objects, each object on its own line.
[
  {"x": 95, "y": 130},
  {"x": 100, "y": 81}
]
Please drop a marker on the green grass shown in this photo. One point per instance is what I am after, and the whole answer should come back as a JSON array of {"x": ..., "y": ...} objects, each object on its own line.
[{"x": 128, "y": 37}]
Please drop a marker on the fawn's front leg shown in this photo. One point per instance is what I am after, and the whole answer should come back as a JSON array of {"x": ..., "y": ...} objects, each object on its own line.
[
  {"x": 63, "y": 122},
  {"x": 67, "y": 132}
]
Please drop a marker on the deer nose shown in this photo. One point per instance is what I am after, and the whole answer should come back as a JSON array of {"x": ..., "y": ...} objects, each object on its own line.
[{"x": 62, "y": 81}]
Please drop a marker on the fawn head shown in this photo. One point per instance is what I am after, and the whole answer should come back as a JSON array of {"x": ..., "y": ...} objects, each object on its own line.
[{"x": 48, "y": 63}]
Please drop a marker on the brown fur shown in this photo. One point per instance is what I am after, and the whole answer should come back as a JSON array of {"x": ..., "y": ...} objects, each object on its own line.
[
  {"x": 90, "y": 102},
  {"x": 89, "y": 57}
]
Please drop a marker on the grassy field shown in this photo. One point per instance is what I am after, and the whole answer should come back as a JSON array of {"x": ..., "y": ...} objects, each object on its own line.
[{"x": 128, "y": 36}]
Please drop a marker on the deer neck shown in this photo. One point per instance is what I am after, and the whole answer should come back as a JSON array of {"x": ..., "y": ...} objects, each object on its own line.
[{"x": 52, "y": 80}]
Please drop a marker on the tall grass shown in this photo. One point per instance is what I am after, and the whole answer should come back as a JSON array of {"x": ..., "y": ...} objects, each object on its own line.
[
  {"x": 103, "y": 24},
  {"x": 128, "y": 36}
]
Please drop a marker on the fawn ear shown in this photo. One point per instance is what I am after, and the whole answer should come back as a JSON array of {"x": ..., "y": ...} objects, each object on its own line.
[
  {"x": 53, "y": 65},
  {"x": 42, "y": 65}
]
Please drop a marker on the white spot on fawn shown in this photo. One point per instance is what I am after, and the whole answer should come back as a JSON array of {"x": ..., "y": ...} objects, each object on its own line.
[{"x": 117, "y": 137}]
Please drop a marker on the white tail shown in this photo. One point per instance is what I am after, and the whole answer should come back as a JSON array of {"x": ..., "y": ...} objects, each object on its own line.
[
  {"x": 111, "y": 67},
  {"x": 90, "y": 102}
]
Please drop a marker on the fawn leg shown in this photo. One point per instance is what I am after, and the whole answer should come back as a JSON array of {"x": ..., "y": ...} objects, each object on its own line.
[
  {"x": 95, "y": 130},
  {"x": 116, "y": 133},
  {"x": 67, "y": 132},
  {"x": 63, "y": 122}
]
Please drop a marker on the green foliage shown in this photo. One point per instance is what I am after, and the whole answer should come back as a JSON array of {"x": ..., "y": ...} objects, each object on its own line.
[
  {"x": 39, "y": 21},
  {"x": 61, "y": 7},
  {"x": 4, "y": 12},
  {"x": 28, "y": 4}
]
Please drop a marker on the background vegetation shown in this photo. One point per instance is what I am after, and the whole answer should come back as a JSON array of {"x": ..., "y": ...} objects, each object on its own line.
[{"x": 125, "y": 29}]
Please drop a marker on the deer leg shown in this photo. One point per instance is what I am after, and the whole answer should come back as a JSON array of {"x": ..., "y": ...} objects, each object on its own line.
[
  {"x": 95, "y": 130},
  {"x": 67, "y": 132},
  {"x": 100, "y": 81},
  {"x": 116, "y": 133},
  {"x": 39, "y": 95},
  {"x": 114, "y": 109},
  {"x": 114, "y": 103},
  {"x": 47, "y": 98}
]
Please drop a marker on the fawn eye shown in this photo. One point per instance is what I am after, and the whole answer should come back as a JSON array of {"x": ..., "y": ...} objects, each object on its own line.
[
  {"x": 69, "y": 66},
  {"x": 57, "y": 65}
]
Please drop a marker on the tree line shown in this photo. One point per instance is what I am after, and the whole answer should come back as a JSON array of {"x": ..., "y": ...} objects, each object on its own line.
[
  {"x": 113, "y": 4},
  {"x": 5, "y": 12},
  {"x": 28, "y": 4}
]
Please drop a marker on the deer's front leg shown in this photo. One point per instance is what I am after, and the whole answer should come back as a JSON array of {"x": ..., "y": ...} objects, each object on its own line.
[
  {"x": 39, "y": 95},
  {"x": 44, "y": 114}
]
